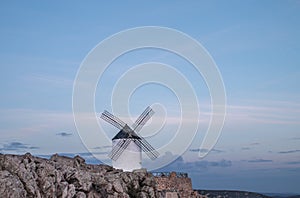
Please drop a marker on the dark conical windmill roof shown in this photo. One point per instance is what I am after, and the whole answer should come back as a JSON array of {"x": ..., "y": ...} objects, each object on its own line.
[{"x": 125, "y": 133}]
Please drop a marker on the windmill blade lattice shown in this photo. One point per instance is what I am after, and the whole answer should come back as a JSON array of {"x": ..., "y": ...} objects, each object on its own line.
[
  {"x": 147, "y": 148},
  {"x": 119, "y": 149},
  {"x": 122, "y": 145},
  {"x": 114, "y": 120},
  {"x": 115, "y": 148},
  {"x": 142, "y": 119}
]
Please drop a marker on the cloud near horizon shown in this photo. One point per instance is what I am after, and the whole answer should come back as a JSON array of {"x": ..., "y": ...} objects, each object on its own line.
[
  {"x": 180, "y": 165},
  {"x": 17, "y": 146},
  {"x": 64, "y": 134},
  {"x": 259, "y": 161},
  {"x": 197, "y": 150},
  {"x": 245, "y": 148},
  {"x": 289, "y": 151},
  {"x": 293, "y": 163}
]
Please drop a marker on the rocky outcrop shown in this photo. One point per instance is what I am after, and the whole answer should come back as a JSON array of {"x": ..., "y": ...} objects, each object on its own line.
[{"x": 29, "y": 176}]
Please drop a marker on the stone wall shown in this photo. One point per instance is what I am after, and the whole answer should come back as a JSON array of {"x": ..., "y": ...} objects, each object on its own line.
[
  {"x": 172, "y": 182},
  {"x": 175, "y": 185}
]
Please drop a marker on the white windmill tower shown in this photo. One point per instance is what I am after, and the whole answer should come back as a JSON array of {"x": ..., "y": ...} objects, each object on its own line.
[{"x": 127, "y": 145}]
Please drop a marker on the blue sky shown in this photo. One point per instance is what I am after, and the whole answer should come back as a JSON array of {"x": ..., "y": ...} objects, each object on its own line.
[{"x": 254, "y": 43}]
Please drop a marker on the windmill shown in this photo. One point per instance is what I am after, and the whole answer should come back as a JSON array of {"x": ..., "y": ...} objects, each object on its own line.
[{"x": 127, "y": 145}]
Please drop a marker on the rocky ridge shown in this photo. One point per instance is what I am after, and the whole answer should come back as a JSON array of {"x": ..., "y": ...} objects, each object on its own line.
[{"x": 29, "y": 176}]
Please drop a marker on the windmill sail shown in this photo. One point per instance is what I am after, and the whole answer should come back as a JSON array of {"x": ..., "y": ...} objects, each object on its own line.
[
  {"x": 127, "y": 135},
  {"x": 142, "y": 119},
  {"x": 139, "y": 123},
  {"x": 113, "y": 120},
  {"x": 147, "y": 148},
  {"x": 119, "y": 149},
  {"x": 115, "y": 148}
]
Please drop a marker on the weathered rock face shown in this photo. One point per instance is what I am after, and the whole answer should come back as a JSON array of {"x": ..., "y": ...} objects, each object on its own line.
[{"x": 29, "y": 176}]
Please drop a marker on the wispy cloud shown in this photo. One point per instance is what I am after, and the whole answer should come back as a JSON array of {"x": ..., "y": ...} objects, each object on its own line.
[
  {"x": 246, "y": 148},
  {"x": 295, "y": 138},
  {"x": 259, "y": 161},
  {"x": 250, "y": 146},
  {"x": 64, "y": 134},
  {"x": 218, "y": 150},
  {"x": 263, "y": 112},
  {"x": 273, "y": 113},
  {"x": 30, "y": 121},
  {"x": 102, "y": 147},
  {"x": 182, "y": 166},
  {"x": 294, "y": 162},
  {"x": 17, "y": 146},
  {"x": 289, "y": 151},
  {"x": 197, "y": 150}
]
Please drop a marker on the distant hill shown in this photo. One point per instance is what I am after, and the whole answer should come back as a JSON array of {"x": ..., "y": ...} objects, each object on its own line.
[
  {"x": 230, "y": 194},
  {"x": 282, "y": 195},
  {"x": 241, "y": 194}
]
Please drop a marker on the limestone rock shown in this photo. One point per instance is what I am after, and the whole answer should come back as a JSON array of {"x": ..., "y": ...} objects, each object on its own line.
[
  {"x": 11, "y": 186},
  {"x": 60, "y": 176}
]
